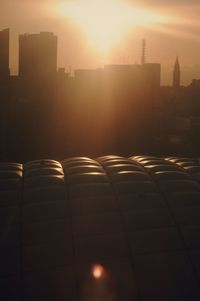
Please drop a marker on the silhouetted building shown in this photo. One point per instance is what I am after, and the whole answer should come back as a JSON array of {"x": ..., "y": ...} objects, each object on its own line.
[
  {"x": 140, "y": 75},
  {"x": 89, "y": 75},
  {"x": 120, "y": 71},
  {"x": 62, "y": 74},
  {"x": 4, "y": 54},
  {"x": 37, "y": 55},
  {"x": 176, "y": 75},
  {"x": 195, "y": 84},
  {"x": 152, "y": 75}
]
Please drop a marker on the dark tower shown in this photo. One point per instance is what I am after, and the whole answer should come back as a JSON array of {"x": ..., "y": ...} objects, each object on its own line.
[
  {"x": 37, "y": 55},
  {"x": 4, "y": 54},
  {"x": 143, "y": 58},
  {"x": 176, "y": 75}
]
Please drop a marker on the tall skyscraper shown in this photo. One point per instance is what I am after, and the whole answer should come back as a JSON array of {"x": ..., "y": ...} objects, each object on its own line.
[
  {"x": 176, "y": 74},
  {"x": 4, "y": 54},
  {"x": 37, "y": 55}
]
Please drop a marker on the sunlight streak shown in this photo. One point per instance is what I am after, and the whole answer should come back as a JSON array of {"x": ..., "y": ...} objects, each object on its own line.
[
  {"x": 103, "y": 22},
  {"x": 180, "y": 34}
]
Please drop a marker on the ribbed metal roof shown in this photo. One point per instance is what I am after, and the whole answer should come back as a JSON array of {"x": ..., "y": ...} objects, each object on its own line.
[{"x": 137, "y": 218}]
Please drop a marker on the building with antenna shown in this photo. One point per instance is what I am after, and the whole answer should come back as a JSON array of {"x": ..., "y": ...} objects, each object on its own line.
[
  {"x": 144, "y": 77},
  {"x": 143, "y": 58},
  {"x": 151, "y": 71}
]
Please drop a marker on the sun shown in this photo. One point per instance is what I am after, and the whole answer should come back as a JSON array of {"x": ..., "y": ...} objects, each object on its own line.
[{"x": 105, "y": 22}]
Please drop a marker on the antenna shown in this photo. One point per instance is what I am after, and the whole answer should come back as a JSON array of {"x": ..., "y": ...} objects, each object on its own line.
[{"x": 143, "y": 59}]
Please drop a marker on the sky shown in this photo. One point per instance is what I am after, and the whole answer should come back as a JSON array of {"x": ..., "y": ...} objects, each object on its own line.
[{"x": 92, "y": 33}]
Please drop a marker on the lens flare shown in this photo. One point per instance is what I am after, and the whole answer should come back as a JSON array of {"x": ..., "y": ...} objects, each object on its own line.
[{"x": 97, "y": 271}]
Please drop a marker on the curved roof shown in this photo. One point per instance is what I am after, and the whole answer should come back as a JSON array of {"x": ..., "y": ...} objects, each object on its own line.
[{"x": 135, "y": 220}]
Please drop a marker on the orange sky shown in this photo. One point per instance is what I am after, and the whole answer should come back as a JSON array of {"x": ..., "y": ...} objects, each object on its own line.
[{"x": 178, "y": 34}]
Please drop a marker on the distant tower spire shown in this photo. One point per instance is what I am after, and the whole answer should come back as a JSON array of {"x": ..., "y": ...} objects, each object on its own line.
[
  {"x": 176, "y": 74},
  {"x": 143, "y": 59}
]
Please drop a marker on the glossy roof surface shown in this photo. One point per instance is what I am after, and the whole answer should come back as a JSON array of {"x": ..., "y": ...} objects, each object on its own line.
[{"x": 113, "y": 228}]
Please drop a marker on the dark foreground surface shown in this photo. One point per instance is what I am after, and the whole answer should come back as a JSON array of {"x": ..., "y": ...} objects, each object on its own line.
[{"x": 138, "y": 218}]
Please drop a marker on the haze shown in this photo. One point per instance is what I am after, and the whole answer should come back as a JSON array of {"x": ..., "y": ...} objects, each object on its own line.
[{"x": 173, "y": 30}]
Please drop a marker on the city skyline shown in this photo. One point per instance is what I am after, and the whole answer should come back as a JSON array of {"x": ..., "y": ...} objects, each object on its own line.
[
  {"x": 40, "y": 43},
  {"x": 176, "y": 36}
]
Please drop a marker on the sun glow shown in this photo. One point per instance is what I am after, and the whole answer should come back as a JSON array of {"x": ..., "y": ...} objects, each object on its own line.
[{"x": 105, "y": 22}]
